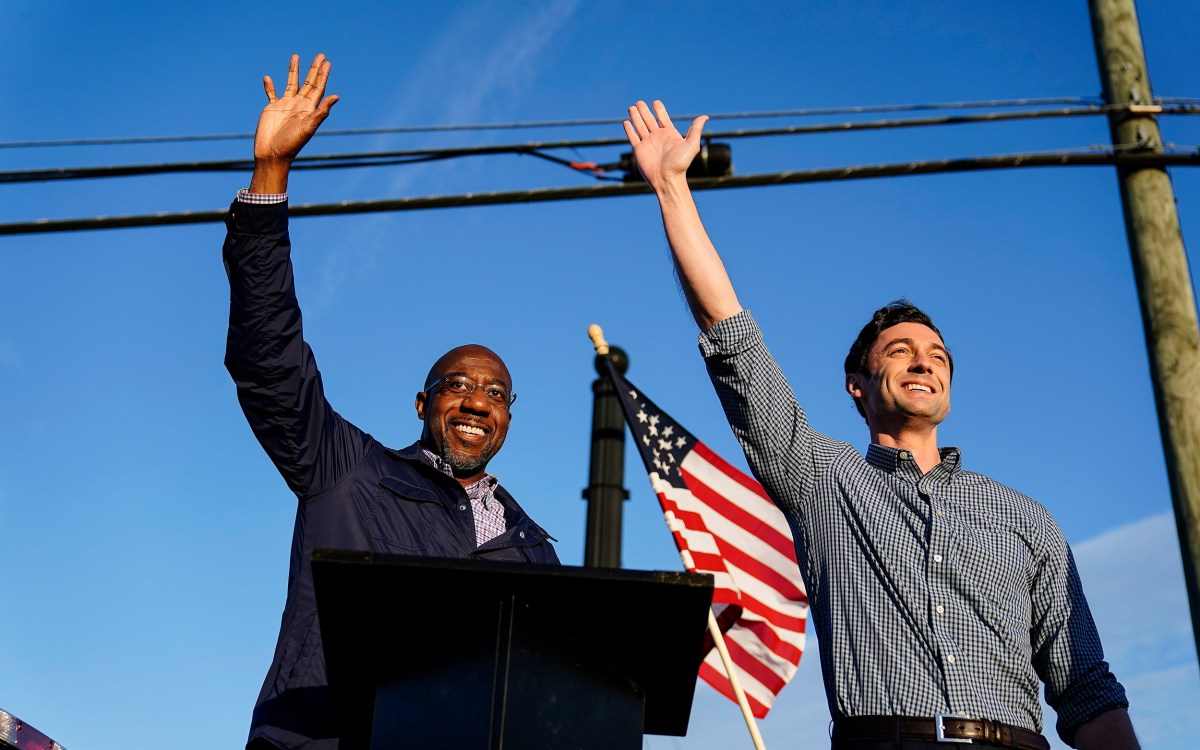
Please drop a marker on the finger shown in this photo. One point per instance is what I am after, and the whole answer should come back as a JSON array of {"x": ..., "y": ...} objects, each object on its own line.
[
  {"x": 660, "y": 111},
  {"x": 293, "y": 75},
  {"x": 310, "y": 79},
  {"x": 634, "y": 138},
  {"x": 696, "y": 128},
  {"x": 635, "y": 119},
  {"x": 322, "y": 110},
  {"x": 647, "y": 116},
  {"x": 269, "y": 88},
  {"x": 322, "y": 77}
]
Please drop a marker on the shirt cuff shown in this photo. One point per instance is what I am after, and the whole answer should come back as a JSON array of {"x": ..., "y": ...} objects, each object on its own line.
[
  {"x": 260, "y": 199},
  {"x": 730, "y": 336}
]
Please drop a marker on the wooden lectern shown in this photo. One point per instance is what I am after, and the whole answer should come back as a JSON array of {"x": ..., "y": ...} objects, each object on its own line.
[{"x": 460, "y": 654}]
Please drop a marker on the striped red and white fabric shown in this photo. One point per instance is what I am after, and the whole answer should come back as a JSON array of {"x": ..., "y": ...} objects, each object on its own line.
[{"x": 724, "y": 524}]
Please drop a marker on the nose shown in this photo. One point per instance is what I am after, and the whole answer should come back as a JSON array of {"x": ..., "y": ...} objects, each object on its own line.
[
  {"x": 476, "y": 401},
  {"x": 921, "y": 362}
]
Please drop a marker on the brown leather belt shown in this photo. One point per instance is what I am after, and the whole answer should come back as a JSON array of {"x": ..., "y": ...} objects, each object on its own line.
[{"x": 941, "y": 728}]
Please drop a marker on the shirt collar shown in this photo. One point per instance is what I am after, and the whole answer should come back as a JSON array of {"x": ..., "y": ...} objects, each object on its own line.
[
  {"x": 900, "y": 461},
  {"x": 436, "y": 461}
]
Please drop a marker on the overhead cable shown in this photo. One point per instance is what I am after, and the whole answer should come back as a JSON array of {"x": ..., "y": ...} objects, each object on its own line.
[
  {"x": 824, "y": 111},
  {"x": 1086, "y": 158},
  {"x": 391, "y": 158}
]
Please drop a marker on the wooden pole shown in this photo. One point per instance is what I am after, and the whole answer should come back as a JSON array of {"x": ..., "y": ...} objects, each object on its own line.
[
  {"x": 1160, "y": 268},
  {"x": 719, "y": 641}
]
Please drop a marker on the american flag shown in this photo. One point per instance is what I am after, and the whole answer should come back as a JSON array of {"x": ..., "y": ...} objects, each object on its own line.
[{"x": 724, "y": 524}]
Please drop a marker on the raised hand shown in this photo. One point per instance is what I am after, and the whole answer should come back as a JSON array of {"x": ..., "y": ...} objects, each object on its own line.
[
  {"x": 662, "y": 154},
  {"x": 288, "y": 122}
]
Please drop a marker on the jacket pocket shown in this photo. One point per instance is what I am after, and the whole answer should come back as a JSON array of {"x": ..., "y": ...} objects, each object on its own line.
[{"x": 403, "y": 516}]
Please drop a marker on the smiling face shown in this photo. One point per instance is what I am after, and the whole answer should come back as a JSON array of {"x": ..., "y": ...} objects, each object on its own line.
[
  {"x": 906, "y": 379},
  {"x": 465, "y": 429}
]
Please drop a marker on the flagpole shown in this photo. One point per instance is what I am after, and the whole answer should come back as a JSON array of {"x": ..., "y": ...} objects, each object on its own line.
[
  {"x": 596, "y": 334},
  {"x": 719, "y": 641}
]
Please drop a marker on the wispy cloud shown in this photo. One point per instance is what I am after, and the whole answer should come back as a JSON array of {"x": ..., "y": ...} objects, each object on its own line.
[
  {"x": 482, "y": 66},
  {"x": 480, "y": 69}
]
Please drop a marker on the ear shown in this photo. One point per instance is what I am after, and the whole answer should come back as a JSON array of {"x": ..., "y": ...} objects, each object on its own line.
[
  {"x": 422, "y": 397},
  {"x": 853, "y": 386}
]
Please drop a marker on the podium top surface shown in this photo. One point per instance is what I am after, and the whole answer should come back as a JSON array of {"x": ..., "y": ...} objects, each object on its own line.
[{"x": 648, "y": 625}]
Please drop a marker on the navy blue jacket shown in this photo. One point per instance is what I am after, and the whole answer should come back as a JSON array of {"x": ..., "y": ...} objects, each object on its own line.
[{"x": 353, "y": 492}]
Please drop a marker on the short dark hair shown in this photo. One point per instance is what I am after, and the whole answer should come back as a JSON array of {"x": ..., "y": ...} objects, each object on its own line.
[{"x": 893, "y": 313}]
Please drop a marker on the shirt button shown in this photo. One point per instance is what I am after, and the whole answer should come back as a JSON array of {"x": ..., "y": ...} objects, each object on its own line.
[
  {"x": 521, "y": 534},
  {"x": 905, "y": 455},
  {"x": 462, "y": 507},
  {"x": 937, "y": 558},
  {"x": 940, "y": 512},
  {"x": 939, "y": 609},
  {"x": 950, "y": 658}
]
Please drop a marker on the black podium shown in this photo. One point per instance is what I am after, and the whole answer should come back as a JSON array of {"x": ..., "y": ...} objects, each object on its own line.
[{"x": 459, "y": 654}]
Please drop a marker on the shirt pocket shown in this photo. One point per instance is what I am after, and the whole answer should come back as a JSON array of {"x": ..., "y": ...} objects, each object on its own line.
[
  {"x": 995, "y": 560},
  {"x": 404, "y": 516}
]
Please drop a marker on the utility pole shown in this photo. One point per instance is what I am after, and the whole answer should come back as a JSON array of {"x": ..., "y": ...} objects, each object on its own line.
[
  {"x": 1160, "y": 269},
  {"x": 606, "y": 491}
]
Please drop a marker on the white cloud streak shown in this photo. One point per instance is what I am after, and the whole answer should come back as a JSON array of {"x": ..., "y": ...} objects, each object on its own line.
[{"x": 483, "y": 64}]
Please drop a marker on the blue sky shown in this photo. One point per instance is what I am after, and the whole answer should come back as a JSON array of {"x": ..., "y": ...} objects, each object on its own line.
[{"x": 146, "y": 535}]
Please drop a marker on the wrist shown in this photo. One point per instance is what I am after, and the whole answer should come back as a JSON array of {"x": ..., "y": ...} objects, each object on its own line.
[
  {"x": 270, "y": 175},
  {"x": 673, "y": 189}
]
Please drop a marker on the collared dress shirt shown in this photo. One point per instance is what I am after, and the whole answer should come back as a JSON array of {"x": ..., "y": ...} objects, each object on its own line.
[
  {"x": 487, "y": 512},
  {"x": 930, "y": 593}
]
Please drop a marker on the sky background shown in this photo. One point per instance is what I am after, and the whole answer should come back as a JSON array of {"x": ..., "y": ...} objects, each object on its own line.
[{"x": 146, "y": 535}]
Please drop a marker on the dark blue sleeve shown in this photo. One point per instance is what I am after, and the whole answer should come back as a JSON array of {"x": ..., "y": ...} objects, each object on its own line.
[{"x": 278, "y": 384}]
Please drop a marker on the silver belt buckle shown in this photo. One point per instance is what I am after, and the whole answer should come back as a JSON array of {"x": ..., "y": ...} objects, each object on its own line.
[{"x": 939, "y": 728}]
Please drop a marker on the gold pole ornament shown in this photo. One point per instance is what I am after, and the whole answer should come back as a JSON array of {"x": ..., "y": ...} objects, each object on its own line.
[{"x": 597, "y": 336}]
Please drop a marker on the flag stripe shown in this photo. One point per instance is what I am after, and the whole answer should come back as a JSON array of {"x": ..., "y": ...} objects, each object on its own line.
[
  {"x": 754, "y": 667},
  {"x": 767, "y": 564},
  {"x": 734, "y": 473},
  {"x": 706, "y": 487},
  {"x": 716, "y": 678},
  {"x": 772, "y": 640}
]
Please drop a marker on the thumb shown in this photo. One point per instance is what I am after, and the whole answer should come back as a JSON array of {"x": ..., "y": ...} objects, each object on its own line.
[
  {"x": 319, "y": 114},
  {"x": 696, "y": 128}
]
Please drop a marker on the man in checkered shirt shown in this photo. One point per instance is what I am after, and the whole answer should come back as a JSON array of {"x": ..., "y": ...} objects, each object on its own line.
[{"x": 941, "y": 598}]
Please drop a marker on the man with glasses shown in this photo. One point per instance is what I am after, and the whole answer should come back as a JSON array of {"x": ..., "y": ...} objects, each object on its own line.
[{"x": 432, "y": 498}]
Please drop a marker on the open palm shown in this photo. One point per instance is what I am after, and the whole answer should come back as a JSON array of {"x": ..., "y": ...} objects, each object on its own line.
[
  {"x": 660, "y": 151},
  {"x": 287, "y": 123}
]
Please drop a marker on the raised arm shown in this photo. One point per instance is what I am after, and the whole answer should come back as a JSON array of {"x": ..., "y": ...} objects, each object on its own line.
[
  {"x": 287, "y": 123},
  {"x": 663, "y": 156},
  {"x": 278, "y": 384}
]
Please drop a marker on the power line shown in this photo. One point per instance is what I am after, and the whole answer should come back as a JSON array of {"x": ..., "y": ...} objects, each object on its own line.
[
  {"x": 825, "y": 111},
  {"x": 392, "y": 158},
  {"x": 1098, "y": 158}
]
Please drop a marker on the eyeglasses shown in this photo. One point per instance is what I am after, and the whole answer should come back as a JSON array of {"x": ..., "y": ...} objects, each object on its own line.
[{"x": 457, "y": 385}]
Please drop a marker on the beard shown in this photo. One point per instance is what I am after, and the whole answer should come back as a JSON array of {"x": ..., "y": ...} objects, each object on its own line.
[{"x": 461, "y": 461}]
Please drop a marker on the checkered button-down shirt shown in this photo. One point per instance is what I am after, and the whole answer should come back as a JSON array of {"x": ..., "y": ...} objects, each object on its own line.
[
  {"x": 487, "y": 511},
  {"x": 930, "y": 593}
]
